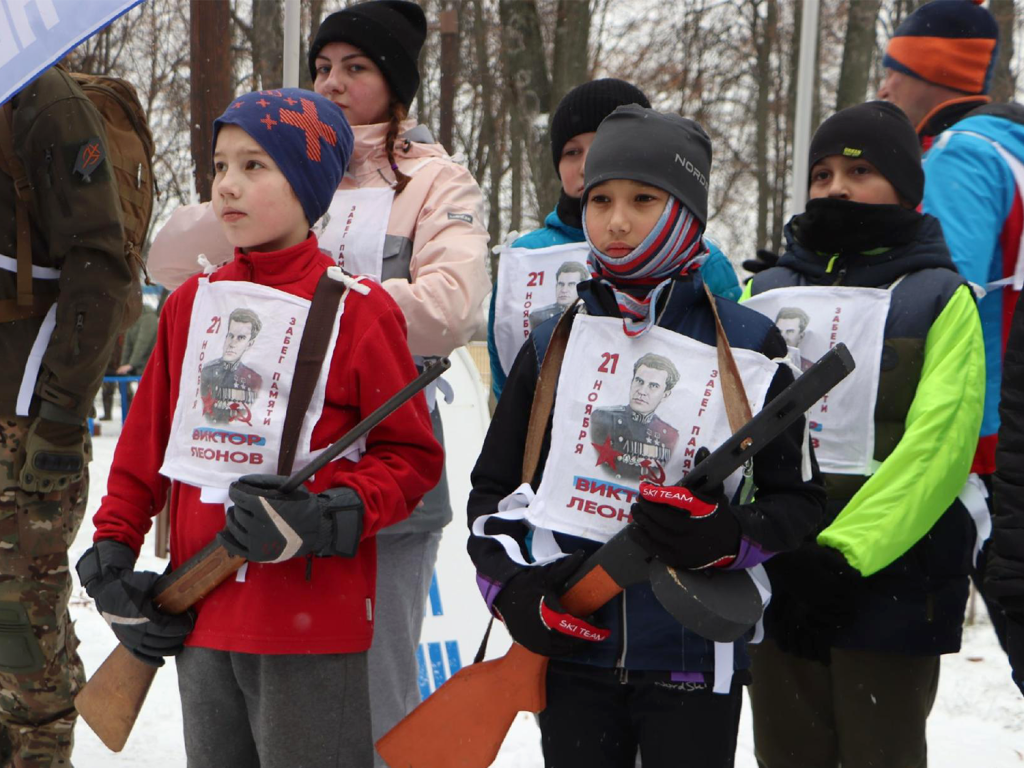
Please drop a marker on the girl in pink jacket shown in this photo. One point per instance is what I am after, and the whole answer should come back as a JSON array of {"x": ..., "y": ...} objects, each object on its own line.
[{"x": 407, "y": 214}]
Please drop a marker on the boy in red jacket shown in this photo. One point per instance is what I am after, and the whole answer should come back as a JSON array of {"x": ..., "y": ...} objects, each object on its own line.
[{"x": 272, "y": 666}]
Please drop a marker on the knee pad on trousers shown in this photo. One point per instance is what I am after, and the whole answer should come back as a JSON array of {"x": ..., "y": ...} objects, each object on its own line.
[{"x": 19, "y": 649}]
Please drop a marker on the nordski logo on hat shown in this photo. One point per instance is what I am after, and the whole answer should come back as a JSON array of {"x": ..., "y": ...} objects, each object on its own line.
[{"x": 691, "y": 168}]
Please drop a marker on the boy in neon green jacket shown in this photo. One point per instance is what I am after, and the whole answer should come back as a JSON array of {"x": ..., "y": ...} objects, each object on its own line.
[{"x": 861, "y": 613}]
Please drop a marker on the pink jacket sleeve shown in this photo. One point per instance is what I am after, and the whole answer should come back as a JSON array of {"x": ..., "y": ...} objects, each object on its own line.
[
  {"x": 191, "y": 230},
  {"x": 449, "y": 274}
]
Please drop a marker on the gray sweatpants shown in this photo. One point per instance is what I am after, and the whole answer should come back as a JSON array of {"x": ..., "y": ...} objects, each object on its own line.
[
  {"x": 405, "y": 565},
  {"x": 247, "y": 710}
]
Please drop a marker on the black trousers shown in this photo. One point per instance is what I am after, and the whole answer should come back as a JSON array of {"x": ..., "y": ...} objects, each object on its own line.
[{"x": 597, "y": 719}]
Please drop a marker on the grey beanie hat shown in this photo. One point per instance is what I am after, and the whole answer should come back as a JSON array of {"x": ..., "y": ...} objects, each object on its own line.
[{"x": 666, "y": 151}]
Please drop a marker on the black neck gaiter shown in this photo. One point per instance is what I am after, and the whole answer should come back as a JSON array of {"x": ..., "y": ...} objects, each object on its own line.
[
  {"x": 842, "y": 226},
  {"x": 570, "y": 210}
]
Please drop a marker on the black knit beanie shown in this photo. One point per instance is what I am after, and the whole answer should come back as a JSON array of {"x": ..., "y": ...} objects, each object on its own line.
[
  {"x": 583, "y": 108},
  {"x": 666, "y": 151},
  {"x": 390, "y": 32},
  {"x": 880, "y": 133}
]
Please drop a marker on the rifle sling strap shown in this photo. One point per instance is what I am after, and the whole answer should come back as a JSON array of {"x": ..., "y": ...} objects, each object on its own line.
[
  {"x": 544, "y": 394},
  {"x": 737, "y": 404},
  {"x": 11, "y": 165},
  {"x": 310, "y": 359}
]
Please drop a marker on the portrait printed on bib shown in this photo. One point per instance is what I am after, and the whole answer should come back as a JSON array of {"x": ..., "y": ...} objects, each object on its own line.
[
  {"x": 642, "y": 441},
  {"x": 569, "y": 274},
  {"x": 793, "y": 321},
  {"x": 625, "y": 414},
  {"x": 229, "y": 388}
]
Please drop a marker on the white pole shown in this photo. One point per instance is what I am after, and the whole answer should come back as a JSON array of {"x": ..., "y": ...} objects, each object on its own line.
[
  {"x": 291, "y": 43},
  {"x": 804, "y": 105}
]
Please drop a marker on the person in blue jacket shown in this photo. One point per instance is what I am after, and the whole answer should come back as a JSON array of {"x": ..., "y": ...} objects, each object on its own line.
[
  {"x": 573, "y": 127},
  {"x": 939, "y": 66}
]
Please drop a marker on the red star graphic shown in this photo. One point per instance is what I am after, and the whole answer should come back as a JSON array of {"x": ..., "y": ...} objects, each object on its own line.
[
  {"x": 291, "y": 102},
  {"x": 237, "y": 105},
  {"x": 208, "y": 401},
  {"x": 606, "y": 454},
  {"x": 263, "y": 103},
  {"x": 269, "y": 122},
  {"x": 309, "y": 121}
]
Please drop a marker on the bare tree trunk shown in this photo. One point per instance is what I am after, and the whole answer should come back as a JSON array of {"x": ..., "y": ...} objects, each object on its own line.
[
  {"x": 212, "y": 83},
  {"x": 488, "y": 138},
  {"x": 782, "y": 122},
  {"x": 449, "y": 75},
  {"x": 857, "y": 52},
  {"x": 1004, "y": 84},
  {"x": 315, "y": 9},
  {"x": 516, "y": 142},
  {"x": 267, "y": 40},
  {"x": 571, "y": 56},
  {"x": 526, "y": 72},
  {"x": 764, "y": 32}
]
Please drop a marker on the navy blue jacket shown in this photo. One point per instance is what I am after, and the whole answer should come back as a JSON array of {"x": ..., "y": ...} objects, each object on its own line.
[{"x": 643, "y": 635}]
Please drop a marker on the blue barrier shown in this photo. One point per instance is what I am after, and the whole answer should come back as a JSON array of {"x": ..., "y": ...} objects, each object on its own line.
[{"x": 436, "y": 662}]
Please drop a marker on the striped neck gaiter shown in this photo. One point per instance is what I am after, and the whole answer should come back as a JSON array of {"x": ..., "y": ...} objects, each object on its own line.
[{"x": 675, "y": 246}]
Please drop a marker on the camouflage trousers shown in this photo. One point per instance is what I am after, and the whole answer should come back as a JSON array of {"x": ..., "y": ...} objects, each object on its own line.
[{"x": 40, "y": 671}]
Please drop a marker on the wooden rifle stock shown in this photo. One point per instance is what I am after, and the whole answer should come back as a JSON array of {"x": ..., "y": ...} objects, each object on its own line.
[
  {"x": 464, "y": 722},
  {"x": 112, "y": 699}
]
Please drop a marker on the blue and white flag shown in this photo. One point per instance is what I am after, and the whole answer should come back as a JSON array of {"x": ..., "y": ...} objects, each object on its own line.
[{"x": 34, "y": 34}]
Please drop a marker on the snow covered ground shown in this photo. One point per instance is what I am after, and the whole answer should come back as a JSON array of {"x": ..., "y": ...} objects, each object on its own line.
[{"x": 977, "y": 722}]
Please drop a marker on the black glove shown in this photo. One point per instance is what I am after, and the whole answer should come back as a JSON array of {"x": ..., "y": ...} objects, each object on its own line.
[
  {"x": 266, "y": 526},
  {"x": 124, "y": 598},
  {"x": 798, "y": 630},
  {"x": 684, "y": 529},
  {"x": 813, "y": 592},
  {"x": 765, "y": 260},
  {"x": 533, "y": 615},
  {"x": 55, "y": 456}
]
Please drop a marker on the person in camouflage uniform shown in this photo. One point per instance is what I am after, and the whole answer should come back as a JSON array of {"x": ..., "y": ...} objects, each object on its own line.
[{"x": 81, "y": 285}]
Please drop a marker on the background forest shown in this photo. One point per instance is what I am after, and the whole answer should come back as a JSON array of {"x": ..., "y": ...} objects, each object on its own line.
[{"x": 493, "y": 70}]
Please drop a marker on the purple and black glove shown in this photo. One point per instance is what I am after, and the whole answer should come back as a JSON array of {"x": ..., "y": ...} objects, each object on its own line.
[
  {"x": 684, "y": 529},
  {"x": 533, "y": 615}
]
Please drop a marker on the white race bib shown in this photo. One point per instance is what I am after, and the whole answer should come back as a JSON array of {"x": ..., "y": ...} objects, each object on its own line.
[
  {"x": 813, "y": 320},
  {"x": 534, "y": 285},
  {"x": 235, "y": 381},
  {"x": 631, "y": 410},
  {"x": 352, "y": 231}
]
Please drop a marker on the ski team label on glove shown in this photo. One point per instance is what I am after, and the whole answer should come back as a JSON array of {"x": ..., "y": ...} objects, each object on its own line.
[
  {"x": 534, "y": 285},
  {"x": 813, "y": 320},
  {"x": 631, "y": 411},
  {"x": 235, "y": 381}
]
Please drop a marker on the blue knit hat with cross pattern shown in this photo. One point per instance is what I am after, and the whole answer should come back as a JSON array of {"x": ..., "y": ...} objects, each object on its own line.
[{"x": 304, "y": 133}]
